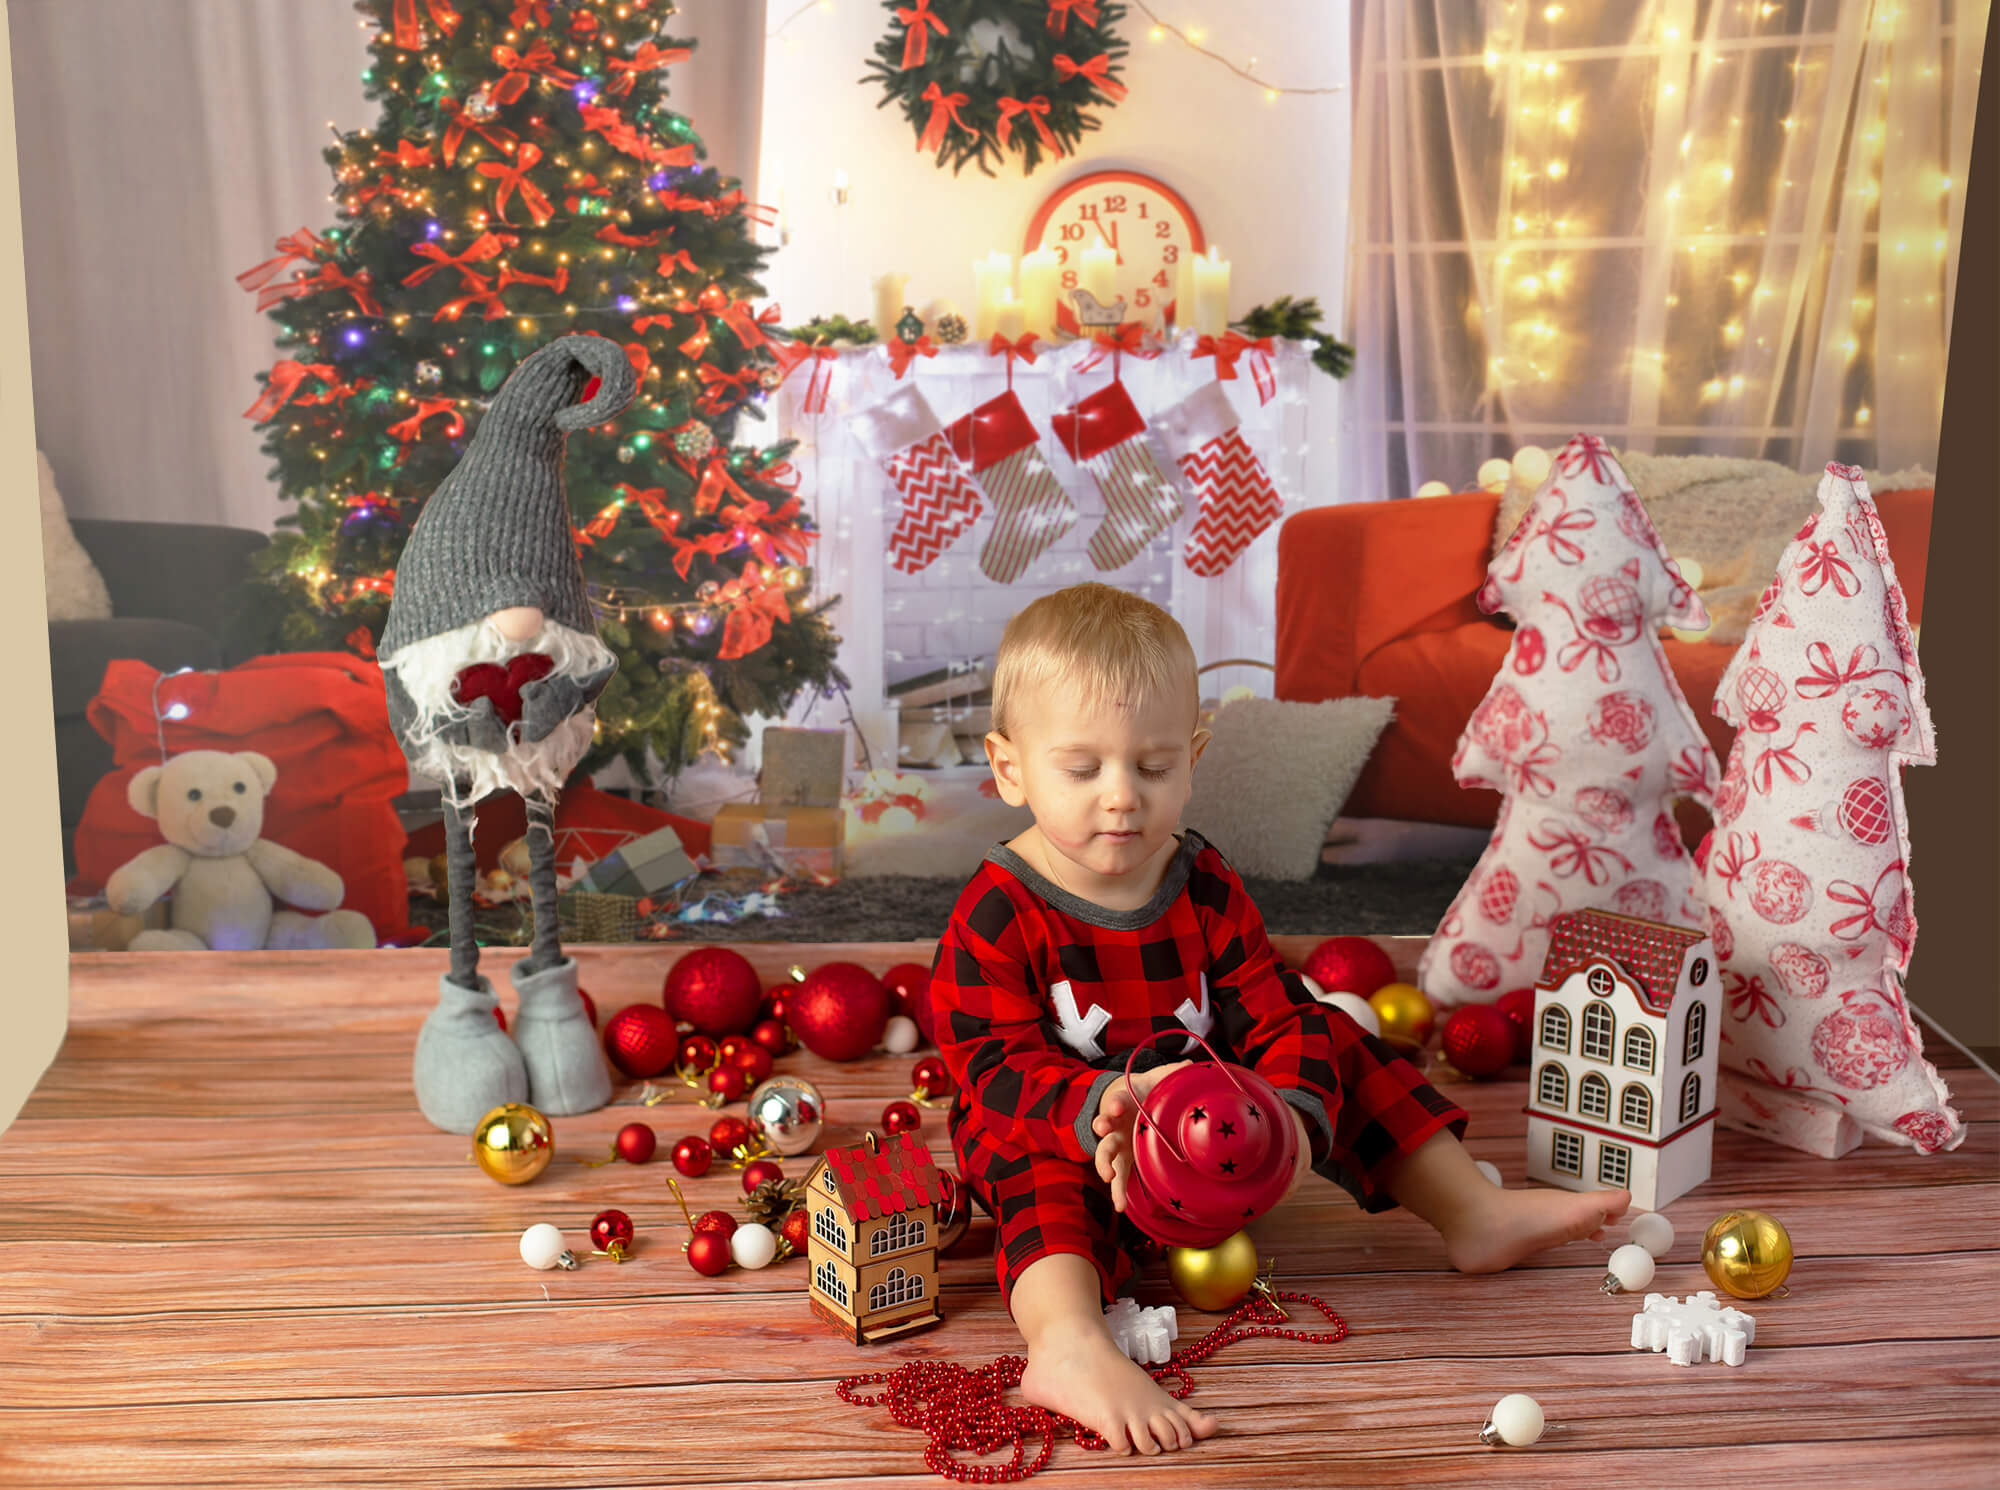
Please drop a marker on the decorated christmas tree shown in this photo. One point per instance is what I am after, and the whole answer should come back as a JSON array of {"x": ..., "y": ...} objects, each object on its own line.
[{"x": 527, "y": 179}]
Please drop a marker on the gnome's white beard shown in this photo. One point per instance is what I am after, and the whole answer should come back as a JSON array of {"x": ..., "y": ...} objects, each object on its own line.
[{"x": 535, "y": 770}]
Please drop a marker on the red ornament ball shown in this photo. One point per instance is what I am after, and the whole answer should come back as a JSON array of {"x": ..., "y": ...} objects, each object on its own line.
[
  {"x": 698, "y": 1055},
  {"x": 715, "y": 989},
  {"x": 635, "y": 1143},
  {"x": 729, "y": 1134},
  {"x": 778, "y": 1000},
  {"x": 728, "y": 1082},
  {"x": 909, "y": 992},
  {"x": 692, "y": 1156},
  {"x": 730, "y": 1047},
  {"x": 1350, "y": 964},
  {"x": 772, "y": 1035},
  {"x": 902, "y": 1117},
  {"x": 1479, "y": 1039},
  {"x": 708, "y": 1253},
  {"x": 930, "y": 1077},
  {"x": 754, "y": 1061},
  {"x": 1518, "y": 1004},
  {"x": 759, "y": 1170},
  {"x": 795, "y": 1229},
  {"x": 839, "y": 1011},
  {"x": 717, "y": 1221},
  {"x": 611, "y": 1228},
  {"x": 640, "y": 1040},
  {"x": 589, "y": 1007}
]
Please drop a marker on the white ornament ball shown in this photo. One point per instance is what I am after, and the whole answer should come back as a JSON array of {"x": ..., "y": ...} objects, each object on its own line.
[
  {"x": 1530, "y": 466},
  {"x": 1632, "y": 1267},
  {"x": 1489, "y": 1169},
  {"x": 542, "y": 1247},
  {"x": 752, "y": 1245},
  {"x": 1654, "y": 1232},
  {"x": 1434, "y": 489},
  {"x": 1357, "y": 1008},
  {"x": 1493, "y": 474},
  {"x": 901, "y": 1035},
  {"x": 1517, "y": 1418}
]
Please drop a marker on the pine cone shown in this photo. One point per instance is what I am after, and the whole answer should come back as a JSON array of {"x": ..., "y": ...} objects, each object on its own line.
[{"x": 770, "y": 1201}]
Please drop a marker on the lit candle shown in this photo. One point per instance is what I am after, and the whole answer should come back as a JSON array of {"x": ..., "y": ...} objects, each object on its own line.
[
  {"x": 1211, "y": 293},
  {"x": 990, "y": 276},
  {"x": 1041, "y": 281},
  {"x": 1098, "y": 272},
  {"x": 1009, "y": 314},
  {"x": 889, "y": 304}
]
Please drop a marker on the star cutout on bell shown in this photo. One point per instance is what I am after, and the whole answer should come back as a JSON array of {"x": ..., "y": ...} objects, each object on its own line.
[
  {"x": 1229, "y": 1166},
  {"x": 1227, "y": 1130},
  {"x": 1197, "y": 1114}
]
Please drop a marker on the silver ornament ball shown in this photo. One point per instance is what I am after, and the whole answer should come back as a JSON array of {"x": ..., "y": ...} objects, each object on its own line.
[{"x": 789, "y": 1112}]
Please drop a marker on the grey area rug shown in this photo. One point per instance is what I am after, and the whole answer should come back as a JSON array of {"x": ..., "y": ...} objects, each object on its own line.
[{"x": 1388, "y": 899}]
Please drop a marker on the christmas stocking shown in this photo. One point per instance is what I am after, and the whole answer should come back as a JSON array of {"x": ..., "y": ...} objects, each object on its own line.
[
  {"x": 998, "y": 441},
  {"x": 1105, "y": 434},
  {"x": 1238, "y": 502},
  {"x": 939, "y": 500}
]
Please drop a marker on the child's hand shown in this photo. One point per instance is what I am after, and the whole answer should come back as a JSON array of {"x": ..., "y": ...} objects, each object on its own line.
[{"x": 1116, "y": 1113}]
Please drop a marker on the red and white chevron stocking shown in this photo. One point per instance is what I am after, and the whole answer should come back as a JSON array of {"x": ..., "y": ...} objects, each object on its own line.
[
  {"x": 1238, "y": 501},
  {"x": 998, "y": 441},
  {"x": 940, "y": 500},
  {"x": 1105, "y": 434}
]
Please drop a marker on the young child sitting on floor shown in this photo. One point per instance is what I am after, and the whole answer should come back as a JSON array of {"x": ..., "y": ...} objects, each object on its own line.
[{"x": 1101, "y": 925}]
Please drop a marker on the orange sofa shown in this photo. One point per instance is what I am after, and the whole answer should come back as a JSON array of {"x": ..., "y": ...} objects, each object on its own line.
[{"x": 1375, "y": 599}]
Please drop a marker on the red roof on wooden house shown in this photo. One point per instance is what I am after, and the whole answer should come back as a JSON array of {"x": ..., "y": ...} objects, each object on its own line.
[
  {"x": 1649, "y": 952},
  {"x": 881, "y": 1184}
]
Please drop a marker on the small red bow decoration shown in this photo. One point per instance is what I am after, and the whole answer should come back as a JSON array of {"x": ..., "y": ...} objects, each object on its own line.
[
  {"x": 750, "y": 622},
  {"x": 916, "y": 36},
  {"x": 522, "y": 10},
  {"x": 902, "y": 353},
  {"x": 480, "y": 295},
  {"x": 1093, "y": 71},
  {"x": 333, "y": 277},
  {"x": 522, "y": 68},
  {"x": 486, "y": 246},
  {"x": 1570, "y": 851},
  {"x": 408, "y": 156},
  {"x": 678, "y": 259},
  {"x": 612, "y": 233},
  {"x": 1823, "y": 565},
  {"x": 558, "y": 282},
  {"x": 944, "y": 111},
  {"x": 819, "y": 382},
  {"x": 1128, "y": 336},
  {"x": 1585, "y": 453},
  {"x": 413, "y": 427},
  {"x": 509, "y": 177},
  {"x": 283, "y": 383},
  {"x": 748, "y": 328},
  {"x": 1086, "y": 11},
  {"x": 497, "y": 135},
  {"x": 305, "y": 245},
  {"x": 646, "y": 59},
  {"x": 1037, "y": 110},
  {"x": 1229, "y": 347},
  {"x": 1022, "y": 347},
  {"x": 500, "y": 683},
  {"x": 410, "y": 31},
  {"x": 719, "y": 388}
]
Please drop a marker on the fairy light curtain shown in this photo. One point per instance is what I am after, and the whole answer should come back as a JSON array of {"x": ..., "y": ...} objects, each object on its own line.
[{"x": 1718, "y": 226}]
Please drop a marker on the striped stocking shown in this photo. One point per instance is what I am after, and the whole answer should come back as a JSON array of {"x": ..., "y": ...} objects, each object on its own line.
[
  {"x": 940, "y": 501},
  {"x": 998, "y": 441},
  {"x": 1238, "y": 501},
  {"x": 1105, "y": 434}
]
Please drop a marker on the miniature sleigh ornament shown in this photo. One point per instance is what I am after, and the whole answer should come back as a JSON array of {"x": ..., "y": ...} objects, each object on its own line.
[
  {"x": 1584, "y": 731},
  {"x": 1806, "y": 872}
]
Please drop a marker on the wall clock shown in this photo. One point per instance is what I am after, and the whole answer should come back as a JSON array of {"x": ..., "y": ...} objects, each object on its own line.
[{"x": 1145, "y": 222}]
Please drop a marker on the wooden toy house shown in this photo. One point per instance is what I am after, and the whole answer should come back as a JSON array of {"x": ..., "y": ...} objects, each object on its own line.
[
  {"x": 872, "y": 1249},
  {"x": 1622, "y": 1086}
]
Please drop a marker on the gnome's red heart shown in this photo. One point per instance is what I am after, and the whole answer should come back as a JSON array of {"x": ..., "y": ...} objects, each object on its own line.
[{"x": 501, "y": 684}]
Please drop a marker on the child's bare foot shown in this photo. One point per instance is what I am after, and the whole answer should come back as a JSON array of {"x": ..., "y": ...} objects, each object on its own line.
[
  {"x": 1080, "y": 1373},
  {"x": 1508, "y": 1225}
]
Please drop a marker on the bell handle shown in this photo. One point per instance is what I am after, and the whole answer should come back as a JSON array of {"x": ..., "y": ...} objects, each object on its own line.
[{"x": 1140, "y": 1102}]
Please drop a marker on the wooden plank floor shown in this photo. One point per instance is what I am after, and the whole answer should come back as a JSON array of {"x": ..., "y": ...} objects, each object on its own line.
[{"x": 232, "y": 1253}]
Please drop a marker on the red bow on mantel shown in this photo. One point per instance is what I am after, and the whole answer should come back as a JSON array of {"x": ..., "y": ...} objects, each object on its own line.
[
  {"x": 1037, "y": 109},
  {"x": 410, "y": 31},
  {"x": 916, "y": 38},
  {"x": 819, "y": 382},
  {"x": 1129, "y": 336},
  {"x": 1022, "y": 347},
  {"x": 1094, "y": 71},
  {"x": 1086, "y": 11},
  {"x": 1231, "y": 345},
  {"x": 944, "y": 110},
  {"x": 750, "y": 620},
  {"x": 902, "y": 353}
]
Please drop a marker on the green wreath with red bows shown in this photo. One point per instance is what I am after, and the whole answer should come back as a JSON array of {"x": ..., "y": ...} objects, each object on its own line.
[{"x": 984, "y": 80}]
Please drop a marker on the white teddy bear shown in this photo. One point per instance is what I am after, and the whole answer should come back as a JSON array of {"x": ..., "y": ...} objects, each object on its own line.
[{"x": 223, "y": 875}]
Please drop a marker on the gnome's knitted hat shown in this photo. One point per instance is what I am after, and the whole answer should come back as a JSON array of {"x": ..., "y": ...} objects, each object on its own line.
[{"x": 496, "y": 533}]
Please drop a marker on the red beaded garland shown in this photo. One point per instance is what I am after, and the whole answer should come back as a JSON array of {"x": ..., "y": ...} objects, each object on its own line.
[
  {"x": 967, "y": 1410},
  {"x": 692, "y": 1156}
]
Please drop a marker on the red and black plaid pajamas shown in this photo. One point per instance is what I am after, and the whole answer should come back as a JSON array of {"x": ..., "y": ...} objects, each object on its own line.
[{"x": 1038, "y": 997}]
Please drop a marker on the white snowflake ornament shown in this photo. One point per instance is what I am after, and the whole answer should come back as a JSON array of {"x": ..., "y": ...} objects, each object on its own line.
[
  {"x": 1145, "y": 1335},
  {"x": 1689, "y": 1329}
]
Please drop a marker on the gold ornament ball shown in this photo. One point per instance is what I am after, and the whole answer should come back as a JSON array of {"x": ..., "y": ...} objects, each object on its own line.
[
  {"x": 1747, "y": 1253},
  {"x": 513, "y": 1143},
  {"x": 1406, "y": 1015},
  {"x": 1214, "y": 1278}
]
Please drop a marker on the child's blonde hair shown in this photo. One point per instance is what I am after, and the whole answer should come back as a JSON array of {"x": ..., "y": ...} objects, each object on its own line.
[{"x": 1116, "y": 647}]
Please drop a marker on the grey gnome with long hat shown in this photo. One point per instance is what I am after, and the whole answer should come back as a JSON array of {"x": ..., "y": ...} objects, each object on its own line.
[{"x": 493, "y": 666}]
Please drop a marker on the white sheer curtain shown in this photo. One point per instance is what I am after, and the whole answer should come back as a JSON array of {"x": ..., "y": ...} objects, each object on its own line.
[
  {"x": 1718, "y": 226},
  {"x": 164, "y": 145}
]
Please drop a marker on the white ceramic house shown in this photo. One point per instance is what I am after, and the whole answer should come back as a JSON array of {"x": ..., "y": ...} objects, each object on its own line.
[{"x": 1621, "y": 1091}]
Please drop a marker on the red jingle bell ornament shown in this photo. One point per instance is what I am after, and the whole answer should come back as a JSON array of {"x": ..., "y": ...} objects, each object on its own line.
[
  {"x": 715, "y": 989},
  {"x": 902, "y": 1117},
  {"x": 1518, "y": 1004},
  {"x": 611, "y": 1234},
  {"x": 1349, "y": 964},
  {"x": 839, "y": 1011},
  {"x": 1213, "y": 1149},
  {"x": 692, "y": 1156},
  {"x": 757, "y": 1171},
  {"x": 640, "y": 1040},
  {"x": 1479, "y": 1040}
]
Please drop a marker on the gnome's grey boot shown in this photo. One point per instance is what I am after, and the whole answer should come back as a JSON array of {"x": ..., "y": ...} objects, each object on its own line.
[
  {"x": 566, "y": 1071},
  {"x": 466, "y": 1066}
]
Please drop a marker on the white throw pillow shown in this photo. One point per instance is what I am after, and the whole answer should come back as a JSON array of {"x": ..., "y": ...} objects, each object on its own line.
[
  {"x": 1275, "y": 775},
  {"x": 75, "y": 589}
]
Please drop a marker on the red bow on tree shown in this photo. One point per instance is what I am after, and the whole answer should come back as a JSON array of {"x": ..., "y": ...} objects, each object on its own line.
[
  {"x": 1037, "y": 110},
  {"x": 486, "y": 246},
  {"x": 406, "y": 155},
  {"x": 559, "y": 281},
  {"x": 719, "y": 387},
  {"x": 333, "y": 277},
  {"x": 749, "y": 329},
  {"x": 612, "y": 233},
  {"x": 521, "y": 70},
  {"x": 522, "y": 10},
  {"x": 1086, "y": 11},
  {"x": 412, "y": 428},
  {"x": 410, "y": 31},
  {"x": 750, "y": 621},
  {"x": 1230, "y": 346},
  {"x": 283, "y": 383},
  {"x": 1095, "y": 71},
  {"x": 509, "y": 177},
  {"x": 646, "y": 59},
  {"x": 916, "y": 38},
  {"x": 478, "y": 292},
  {"x": 497, "y": 135},
  {"x": 304, "y": 245},
  {"x": 944, "y": 111}
]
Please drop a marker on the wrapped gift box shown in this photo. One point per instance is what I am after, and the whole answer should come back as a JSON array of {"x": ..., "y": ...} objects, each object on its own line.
[
  {"x": 802, "y": 767},
  {"x": 770, "y": 836},
  {"x": 645, "y": 866}
]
